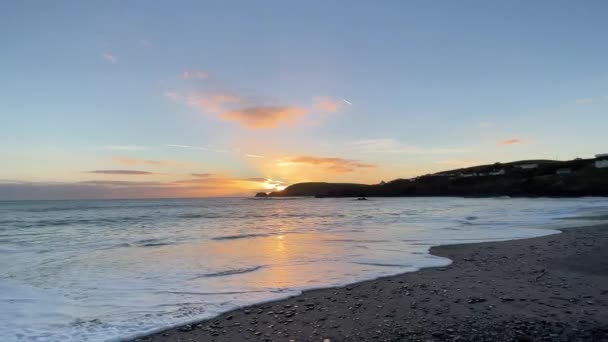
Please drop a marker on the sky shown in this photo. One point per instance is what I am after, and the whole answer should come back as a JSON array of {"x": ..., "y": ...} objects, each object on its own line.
[{"x": 139, "y": 99}]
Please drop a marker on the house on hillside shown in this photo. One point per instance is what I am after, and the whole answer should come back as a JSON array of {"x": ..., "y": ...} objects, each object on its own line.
[
  {"x": 498, "y": 172},
  {"x": 467, "y": 175},
  {"x": 563, "y": 171},
  {"x": 528, "y": 166},
  {"x": 601, "y": 163}
]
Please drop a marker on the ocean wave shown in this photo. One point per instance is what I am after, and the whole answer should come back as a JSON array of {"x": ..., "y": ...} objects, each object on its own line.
[
  {"x": 228, "y": 272},
  {"x": 380, "y": 264},
  {"x": 195, "y": 216},
  {"x": 149, "y": 243},
  {"x": 360, "y": 241},
  {"x": 239, "y": 236},
  {"x": 79, "y": 221}
]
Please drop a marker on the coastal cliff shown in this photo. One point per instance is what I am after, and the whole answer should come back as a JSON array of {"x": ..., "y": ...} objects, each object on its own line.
[{"x": 530, "y": 178}]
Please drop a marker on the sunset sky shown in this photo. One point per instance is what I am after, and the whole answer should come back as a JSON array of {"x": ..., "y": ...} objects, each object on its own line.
[{"x": 126, "y": 99}]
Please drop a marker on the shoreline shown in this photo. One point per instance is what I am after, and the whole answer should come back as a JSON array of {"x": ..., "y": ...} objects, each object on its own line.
[{"x": 553, "y": 287}]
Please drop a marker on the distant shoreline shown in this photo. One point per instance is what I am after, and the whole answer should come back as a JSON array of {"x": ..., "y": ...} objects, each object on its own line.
[
  {"x": 551, "y": 287},
  {"x": 525, "y": 178}
]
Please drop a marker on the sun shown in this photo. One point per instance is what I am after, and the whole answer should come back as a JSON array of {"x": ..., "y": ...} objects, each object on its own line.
[{"x": 270, "y": 184}]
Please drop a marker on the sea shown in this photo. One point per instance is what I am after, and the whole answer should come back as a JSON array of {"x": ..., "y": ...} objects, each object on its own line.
[{"x": 111, "y": 270}]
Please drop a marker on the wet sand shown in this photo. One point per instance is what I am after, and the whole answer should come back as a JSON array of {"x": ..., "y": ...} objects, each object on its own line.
[{"x": 552, "y": 288}]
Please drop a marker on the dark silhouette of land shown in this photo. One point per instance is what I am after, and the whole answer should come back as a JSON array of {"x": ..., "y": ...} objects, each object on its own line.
[{"x": 528, "y": 178}]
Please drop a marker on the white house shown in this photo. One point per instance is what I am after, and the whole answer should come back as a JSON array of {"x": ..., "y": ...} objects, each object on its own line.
[
  {"x": 467, "y": 175},
  {"x": 498, "y": 173},
  {"x": 528, "y": 166},
  {"x": 600, "y": 164},
  {"x": 563, "y": 171}
]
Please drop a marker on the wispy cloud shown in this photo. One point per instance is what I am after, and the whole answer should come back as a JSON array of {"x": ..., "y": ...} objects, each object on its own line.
[
  {"x": 122, "y": 172},
  {"x": 334, "y": 164},
  {"x": 389, "y": 145},
  {"x": 138, "y": 161},
  {"x": 194, "y": 75},
  {"x": 264, "y": 117},
  {"x": 145, "y": 43},
  {"x": 109, "y": 57},
  {"x": 202, "y": 175},
  {"x": 253, "y": 155},
  {"x": 486, "y": 124},
  {"x": 589, "y": 100},
  {"x": 507, "y": 142},
  {"x": 123, "y": 183},
  {"x": 207, "y": 103},
  {"x": 328, "y": 104},
  {"x": 202, "y": 148}
]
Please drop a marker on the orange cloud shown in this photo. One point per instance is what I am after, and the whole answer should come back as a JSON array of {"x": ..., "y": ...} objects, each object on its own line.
[
  {"x": 138, "y": 161},
  {"x": 115, "y": 183},
  {"x": 212, "y": 103},
  {"x": 208, "y": 103},
  {"x": 338, "y": 165},
  {"x": 327, "y": 104},
  {"x": 201, "y": 175},
  {"x": 248, "y": 112},
  {"x": 512, "y": 141},
  {"x": 264, "y": 117}
]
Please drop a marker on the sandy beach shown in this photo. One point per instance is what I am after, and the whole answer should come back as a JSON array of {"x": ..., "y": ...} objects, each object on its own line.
[{"x": 552, "y": 288}]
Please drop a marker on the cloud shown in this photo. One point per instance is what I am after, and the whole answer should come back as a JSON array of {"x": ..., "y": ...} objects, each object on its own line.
[
  {"x": 334, "y": 164},
  {"x": 205, "y": 180},
  {"x": 212, "y": 103},
  {"x": 99, "y": 189},
  {"x": 328, "y": 104},
  {"x": 124, "y": 147},
  {"x": 512, "y": 141},
  {"x": 122, "y": 183},
  {"x": 249, "y": 112},
  {"x": 202, "y": 185},
  {"x": 201, "y": 175},
  {"x": 255, "y": 179},
  {"x": 253, "y": 155},
  {"x": 592, "y": 99},
  {"x": 121, "y": 172},
  {"x": 138, "y": 161},
  {"x": 486, "y": 124},
  {"x": 208, "y": 148},
  {"x": 264, "y": 117},
  {"x": 145, "y": 43},
  {"x": 194, "y": 75},
  {"x": 388, "y": 145},
  {"x": 208, "y": 103},
  {"x": 109, "y": 57},
  {"x": 189, "y": 147}
]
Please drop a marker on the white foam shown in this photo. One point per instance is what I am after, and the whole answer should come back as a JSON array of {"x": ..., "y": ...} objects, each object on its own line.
[{"x": 109, "y": 270}]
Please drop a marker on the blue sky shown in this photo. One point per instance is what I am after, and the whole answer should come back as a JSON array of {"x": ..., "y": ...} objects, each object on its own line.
[{"x": 364, "y": 90}]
